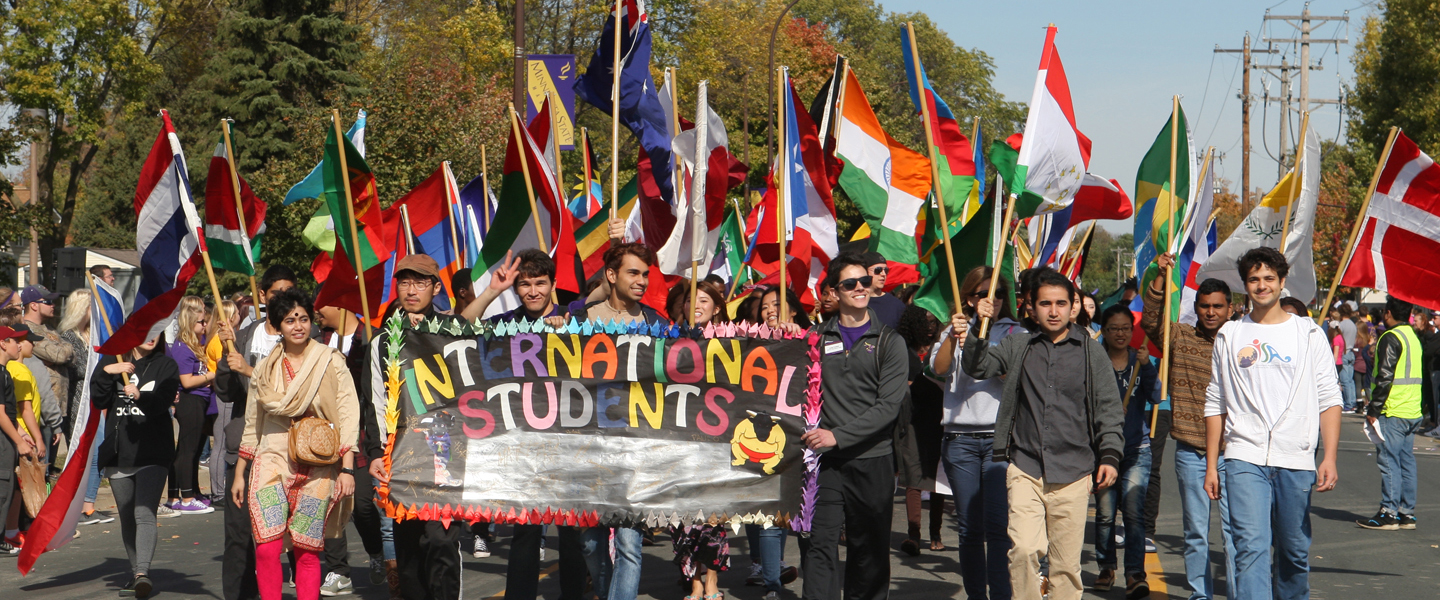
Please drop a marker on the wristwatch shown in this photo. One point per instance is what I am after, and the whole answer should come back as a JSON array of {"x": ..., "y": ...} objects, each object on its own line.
[{"x": 347, "y": 471}]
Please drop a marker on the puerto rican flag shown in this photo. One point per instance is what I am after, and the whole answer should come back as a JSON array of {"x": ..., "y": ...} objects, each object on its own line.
[{"x": 169, "y": 237}]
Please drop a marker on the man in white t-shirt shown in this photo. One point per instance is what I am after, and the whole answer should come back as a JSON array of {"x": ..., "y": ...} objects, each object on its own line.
[{"x": 1273, "y": 392}]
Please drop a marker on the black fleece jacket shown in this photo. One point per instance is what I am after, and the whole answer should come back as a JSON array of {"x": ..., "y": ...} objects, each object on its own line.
[{"x": 138, "y": 432}]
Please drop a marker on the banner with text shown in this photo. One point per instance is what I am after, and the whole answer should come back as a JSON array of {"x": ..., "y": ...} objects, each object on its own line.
[{"x": 510, "y": 423}]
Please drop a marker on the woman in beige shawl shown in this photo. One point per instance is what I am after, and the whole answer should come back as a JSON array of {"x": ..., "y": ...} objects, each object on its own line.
[{"x": 293, "y": 504}]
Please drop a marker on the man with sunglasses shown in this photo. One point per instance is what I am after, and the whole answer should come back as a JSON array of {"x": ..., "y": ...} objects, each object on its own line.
[
  {"x": 39, "y": 305},
  {"x": 864, "y": 383},
  {"x": 887, "y": 307}
]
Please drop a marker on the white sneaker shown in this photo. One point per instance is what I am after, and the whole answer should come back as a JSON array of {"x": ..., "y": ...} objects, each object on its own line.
[
  {"x": 482, "y": 549},
  {"x": 165, "y": 512},
  {"x": 336, "y": 585}
]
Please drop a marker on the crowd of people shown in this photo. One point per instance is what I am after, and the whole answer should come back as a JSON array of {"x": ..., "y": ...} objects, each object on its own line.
[{"x": 1014, "y": 414}]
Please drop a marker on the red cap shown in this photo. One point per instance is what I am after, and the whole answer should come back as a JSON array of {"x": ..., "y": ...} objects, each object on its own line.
[{"x": 7, "y": 333}]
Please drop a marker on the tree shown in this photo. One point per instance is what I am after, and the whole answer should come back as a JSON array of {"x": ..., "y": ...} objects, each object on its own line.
[
  {"x": 1397, "y": 77},
  {"x": 73, "y": 66}
]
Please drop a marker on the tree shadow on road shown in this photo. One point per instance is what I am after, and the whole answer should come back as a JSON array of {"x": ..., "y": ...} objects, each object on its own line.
[{"x": 115, "y": 572}]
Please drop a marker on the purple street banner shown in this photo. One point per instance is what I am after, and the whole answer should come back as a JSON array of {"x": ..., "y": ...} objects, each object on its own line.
[
  {"x": 553, "y": 73},
  {"x": 516, "y": 422}
]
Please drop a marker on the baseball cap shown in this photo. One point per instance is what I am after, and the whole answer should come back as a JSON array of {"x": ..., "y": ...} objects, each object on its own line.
[
  {"x": 418, "y": 263},
  {"x": 873, "y": 258},
  {"x": 36, "y": 293},
  {"x": 8, "y": 333},
  {"x": 28, "y": 333}
]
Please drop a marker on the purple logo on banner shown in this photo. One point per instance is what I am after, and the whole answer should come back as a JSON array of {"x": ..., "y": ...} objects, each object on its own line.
[{"x": 555, "y": 74}]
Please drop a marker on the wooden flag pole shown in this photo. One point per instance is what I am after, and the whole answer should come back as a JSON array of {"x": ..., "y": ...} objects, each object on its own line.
[
  {"x": 452, "y": 198},
  {"x": 405, "y": 220},
  {"x": 935, "y": 184},
  {"x": 839, "y": 109},
  {"x": 614, "y": 120},
  {"x": 979, "y": 176},
  {"x": 485, "y": 200},
  {"x": 214, "y": 288},
  {"x": 1169, "y": 278},
  {"x": 1359, "y": 223},
  {"x": 525, "y": 172},
  {"x": 780, "y": 189},
  {"x": 239, "y": 206},
  {"x": 1295, "y": 185},
  {"x": 999, "y": 260},
  {"x": 354, "y": 229}
]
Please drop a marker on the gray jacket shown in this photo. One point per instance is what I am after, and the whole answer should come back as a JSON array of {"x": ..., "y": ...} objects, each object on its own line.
[
  {"x": 1107, "y": 419},
  {"x": 864, "y": 389}
]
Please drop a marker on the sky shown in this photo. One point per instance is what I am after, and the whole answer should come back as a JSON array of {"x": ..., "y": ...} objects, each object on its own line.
[{"x": 1125, "y": 59}]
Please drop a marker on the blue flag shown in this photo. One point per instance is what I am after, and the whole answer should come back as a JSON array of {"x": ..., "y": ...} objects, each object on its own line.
[
  {"x": 313, "y": 185},
  {"x": 640, "y": 108}
]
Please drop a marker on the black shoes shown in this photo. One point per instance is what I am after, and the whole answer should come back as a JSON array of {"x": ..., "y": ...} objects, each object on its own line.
[
  {"x": 1382, "y": 521},
  {"x": 139, "y": 587}
]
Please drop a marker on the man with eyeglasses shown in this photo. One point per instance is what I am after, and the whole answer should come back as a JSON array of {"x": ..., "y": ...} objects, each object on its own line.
[
  {"x": 39, "y": 305},
  {"x": 887, "y": 307},
  {"x": 864, "y": 383}
]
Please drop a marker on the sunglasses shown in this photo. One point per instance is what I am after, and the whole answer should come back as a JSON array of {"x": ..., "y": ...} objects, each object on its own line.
[
  {"x": 879, "y": 269},
  {"x": 849, "y": 284},
  {"x": 981, "y": 294}
]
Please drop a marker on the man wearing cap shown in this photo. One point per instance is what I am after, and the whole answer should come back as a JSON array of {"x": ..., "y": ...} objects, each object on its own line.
[
  {"x": 39, "y": 305},
  {"x": 13, "y": 444},
  {"x": 427, "y": 557},
  {"x": 887, "y": 307}
]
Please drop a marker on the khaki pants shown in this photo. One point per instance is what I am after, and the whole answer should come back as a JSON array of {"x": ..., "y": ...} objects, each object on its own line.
[{"x": 1046, "y": 520}]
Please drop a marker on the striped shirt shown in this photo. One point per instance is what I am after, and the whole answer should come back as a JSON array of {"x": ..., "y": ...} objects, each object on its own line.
[{"x": 1189, "y": 371}]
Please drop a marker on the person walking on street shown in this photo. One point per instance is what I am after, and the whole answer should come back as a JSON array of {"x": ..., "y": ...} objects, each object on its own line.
[
  {"x": 1274, "y": 391},
  {"x": 864, "y": 374},
  {"x": 1394, "y": 412},
  {"x": 138, "y": 448},
  {"x": 1137, "y": 377},
  {"x": 967, "y": 447},
  {"x": 1191, "y": 347},
  {"x": 293, "y": 502},
  {"x": 1059, "y": 418}
]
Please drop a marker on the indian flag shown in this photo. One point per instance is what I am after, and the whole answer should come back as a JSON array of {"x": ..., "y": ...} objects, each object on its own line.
[
  {"x": 1055, "y": 155},
  {"x": 885, "y": 179}
]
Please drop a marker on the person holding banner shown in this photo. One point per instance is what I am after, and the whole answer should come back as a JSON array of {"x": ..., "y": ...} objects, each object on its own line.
[
  {"x": 294, "y": 499},
  {"x": 531, "y": 275},
  {"x": 627, "y": 276},
  {"x": 139, "y": 446},
  {"x": 864, "y": 370},
  {"x": 427, "y": 561},
  {"x": 1059, "y": 418}
]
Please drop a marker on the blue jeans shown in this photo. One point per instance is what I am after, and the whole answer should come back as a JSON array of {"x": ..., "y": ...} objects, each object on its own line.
[
  {"x": 387, "y": 537},
  {"x": 1195, "y": 513},
  {"x": 983, "y": 511},
  {"x": 1270, "y": 506},
  {"x": 624, "y": 576},
  {"x": 767, "y": 547},
  {"x": 1347, "y": 379},
  {"x": 93, "y": 489},
  {"x": 1397, "y": 464},
  {"x": 1129, "y": 492}
]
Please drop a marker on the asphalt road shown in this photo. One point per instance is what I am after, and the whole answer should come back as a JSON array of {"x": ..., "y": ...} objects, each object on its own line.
[{"x": 1347, "y": 562}]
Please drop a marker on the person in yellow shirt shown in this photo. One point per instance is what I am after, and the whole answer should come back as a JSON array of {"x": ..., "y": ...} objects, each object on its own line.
[
  {"x": 215, "y": 349},
  {"x": 27, "y": 397}
]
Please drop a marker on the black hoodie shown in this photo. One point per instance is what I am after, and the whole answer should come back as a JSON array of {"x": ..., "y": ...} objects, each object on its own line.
[{"x": 138, "y": 432}]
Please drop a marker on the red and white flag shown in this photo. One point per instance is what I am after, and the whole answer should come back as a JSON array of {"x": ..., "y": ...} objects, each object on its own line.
[{"x": 1400, "y": 236}]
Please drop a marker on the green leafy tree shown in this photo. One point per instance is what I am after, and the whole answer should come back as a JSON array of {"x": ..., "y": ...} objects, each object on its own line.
[
  {"x": 73, "y": 66},
  {"x": 1397, "y": 77}
]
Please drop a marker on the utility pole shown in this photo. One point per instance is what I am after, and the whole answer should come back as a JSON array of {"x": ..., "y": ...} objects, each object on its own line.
[
  {"x": 1245, "y": 101},
  {"x": 1304, "y": 23}
]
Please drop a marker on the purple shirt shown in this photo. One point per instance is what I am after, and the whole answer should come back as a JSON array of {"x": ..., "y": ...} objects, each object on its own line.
[
  {"x": 850, "y": 335},
  {"x": 189, "y": 364}
]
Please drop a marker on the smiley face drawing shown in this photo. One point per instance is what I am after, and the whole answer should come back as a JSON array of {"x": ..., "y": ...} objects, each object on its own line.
[{"x": 758, "y": 439}]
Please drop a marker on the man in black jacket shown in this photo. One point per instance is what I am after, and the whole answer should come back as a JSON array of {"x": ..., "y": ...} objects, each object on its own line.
[
  {"x": 252, "y": 344},
  {"x": 864, "y": 369},
  {"x": 427, "y": 552}
]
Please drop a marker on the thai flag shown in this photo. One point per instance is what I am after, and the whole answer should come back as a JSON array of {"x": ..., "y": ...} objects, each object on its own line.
[
  {"x": 54, "y": 525},
  {"x": 169, "y": 238}
]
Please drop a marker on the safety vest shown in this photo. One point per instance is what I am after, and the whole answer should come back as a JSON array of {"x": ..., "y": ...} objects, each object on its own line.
[{"x": 1404, "y": 399}]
